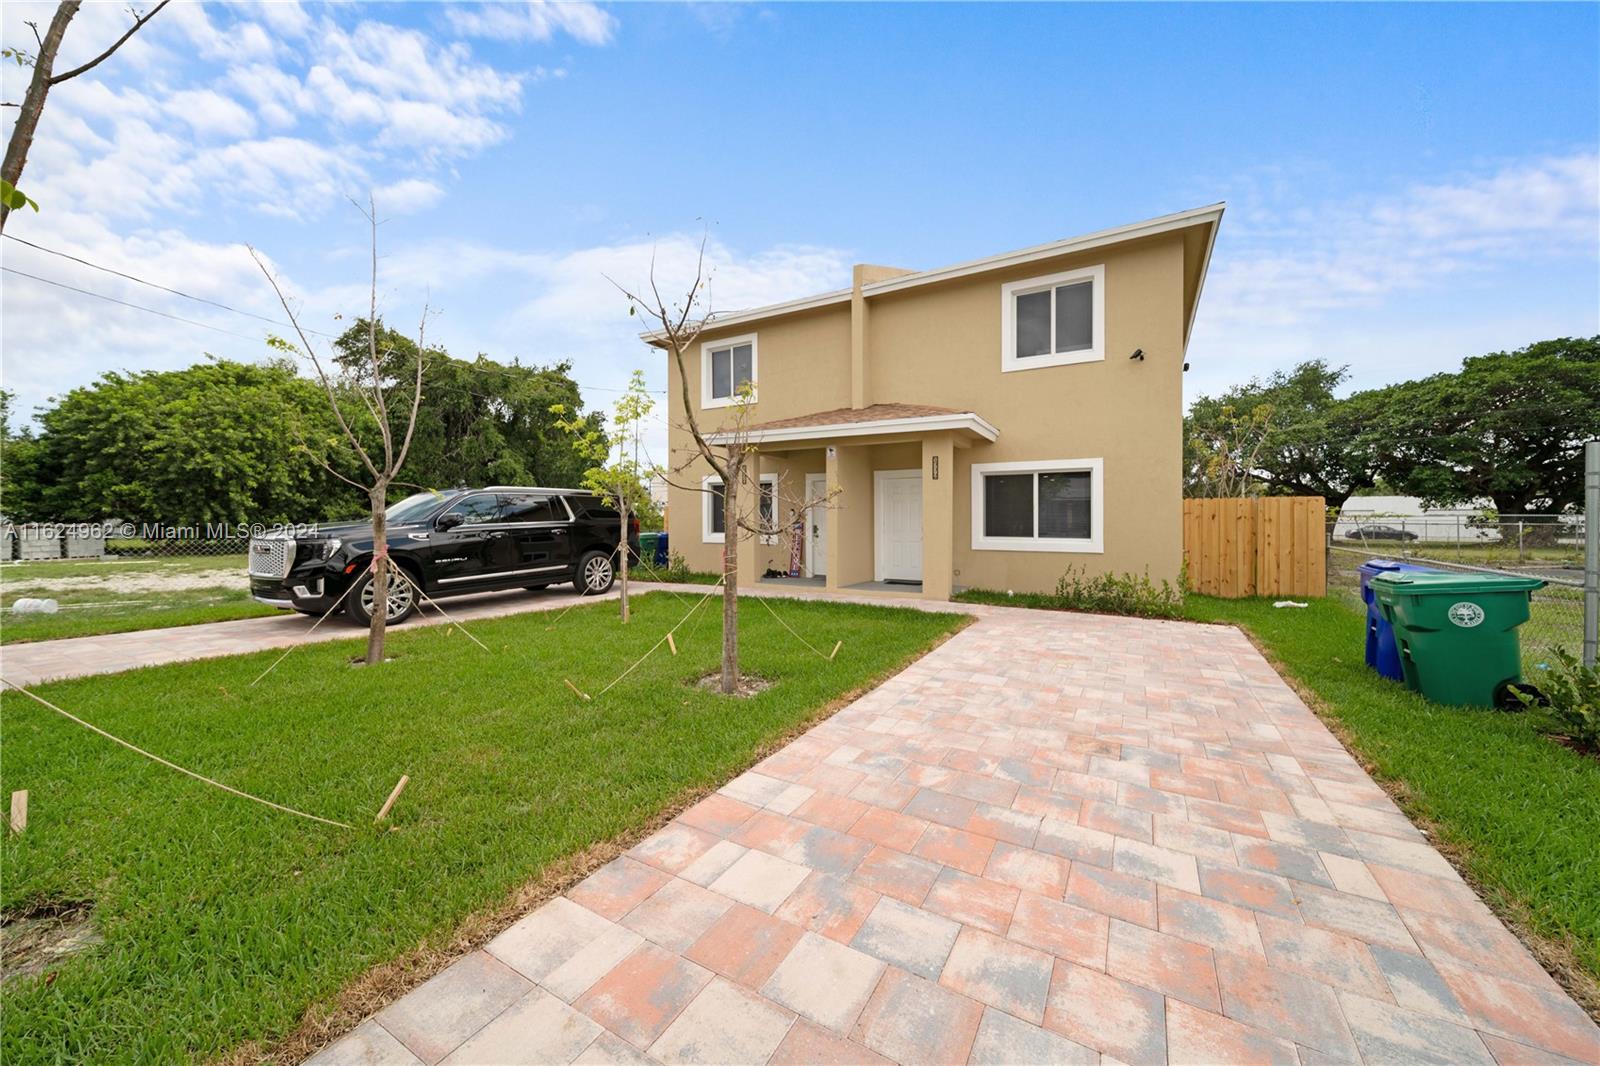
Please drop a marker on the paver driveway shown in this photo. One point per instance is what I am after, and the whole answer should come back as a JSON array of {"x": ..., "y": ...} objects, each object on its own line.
[{"x": 1056, "y": 838}]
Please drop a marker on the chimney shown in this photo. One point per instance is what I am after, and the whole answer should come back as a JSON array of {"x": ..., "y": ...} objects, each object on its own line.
[{"x": 863, "y": 274}]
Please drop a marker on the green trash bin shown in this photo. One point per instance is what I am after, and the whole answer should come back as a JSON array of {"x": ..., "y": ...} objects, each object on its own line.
[
  {"x": 647, "y": 548},
  {"x": 1457, "y": 633}
]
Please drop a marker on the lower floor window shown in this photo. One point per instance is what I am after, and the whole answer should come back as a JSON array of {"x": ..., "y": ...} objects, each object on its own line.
[
  {"x": 714, "y": 521},
  {"x": 1037, "y": 506}
]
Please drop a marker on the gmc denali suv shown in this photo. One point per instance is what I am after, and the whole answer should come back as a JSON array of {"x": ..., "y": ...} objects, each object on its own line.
[{"x": 449, "y": 543}]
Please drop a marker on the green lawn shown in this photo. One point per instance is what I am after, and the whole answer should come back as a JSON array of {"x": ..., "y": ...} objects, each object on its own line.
[
  {"x": 1521, "y": 811},
  {"x": 224, "y": 920},
  {"x": 121, "y": 595}
]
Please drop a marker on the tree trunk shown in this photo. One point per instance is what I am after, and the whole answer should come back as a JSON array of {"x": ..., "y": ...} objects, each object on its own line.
[
  {"x": 730, "y": 577},
  {"x": 33, "y": 102},
  {"x": 380, "y": 575},
  {"x": 622, "y": 510}
]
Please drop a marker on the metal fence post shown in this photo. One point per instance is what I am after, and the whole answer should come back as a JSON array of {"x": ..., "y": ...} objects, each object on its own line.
[{"x": 1591, "y": 552}]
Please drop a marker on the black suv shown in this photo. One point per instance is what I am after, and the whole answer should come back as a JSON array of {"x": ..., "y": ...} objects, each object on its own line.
[{"x": 449, "y": 543}]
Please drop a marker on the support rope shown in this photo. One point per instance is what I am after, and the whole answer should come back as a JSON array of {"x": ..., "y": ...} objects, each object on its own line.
[
  {"x": 318, "y": 622},
  {"x": 790, "y": 628},
  {"x": 172, "y": 765},
  {"x": 429, "y": 600},
  {"x": 660, "y": 642}
]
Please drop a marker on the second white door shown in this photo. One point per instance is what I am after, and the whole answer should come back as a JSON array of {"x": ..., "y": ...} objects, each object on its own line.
[{"x": 898, "y": 518}]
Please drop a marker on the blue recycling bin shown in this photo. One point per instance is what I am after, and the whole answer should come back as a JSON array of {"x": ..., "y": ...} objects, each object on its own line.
[
  {"x": 1383, "y": 652},
  {"x": 661, "y": 550}
]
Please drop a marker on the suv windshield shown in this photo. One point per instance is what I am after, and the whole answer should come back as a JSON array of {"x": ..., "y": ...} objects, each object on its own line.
[{"x": 413, "y": 508}]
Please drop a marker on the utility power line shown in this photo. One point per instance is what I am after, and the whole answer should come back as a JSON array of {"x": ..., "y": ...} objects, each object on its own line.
[
  {"x": 125, "y": 303},
  {"x": 158, "y": 285},
  {"x": 222, "y": 306}
]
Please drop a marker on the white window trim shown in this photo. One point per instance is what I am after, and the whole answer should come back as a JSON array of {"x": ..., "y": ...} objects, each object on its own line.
[
  {"x": 707, "y": 501},
  {"x": 706, "y": 399},
  {"x": 1009, "y": 360},
  {"x": 1094, "y": 544}
]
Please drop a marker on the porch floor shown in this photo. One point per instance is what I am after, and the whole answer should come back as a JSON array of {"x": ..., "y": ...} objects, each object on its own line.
[
  {"x": 894, "y": 588},
  {"x": 817, "y": 582}
]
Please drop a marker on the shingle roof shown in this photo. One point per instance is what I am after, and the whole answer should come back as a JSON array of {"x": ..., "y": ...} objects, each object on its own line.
[{"x": 840, "y": 416}]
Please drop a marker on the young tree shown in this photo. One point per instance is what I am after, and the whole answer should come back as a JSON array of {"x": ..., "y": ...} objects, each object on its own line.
[
  {"x": 733, "y": 458},
  {"x": 678, "y": 326},
  {"x": 620, "y": 481},
  {"x": 44, "y": 79},
  {"x": 382, "y": 462}
]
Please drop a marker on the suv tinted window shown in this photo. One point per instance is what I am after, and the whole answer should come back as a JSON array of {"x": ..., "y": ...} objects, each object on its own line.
[
  {"x": 475, "y": 510},
  {"x": 592, "y": 506},
  {"x": 531, "y": 509}
]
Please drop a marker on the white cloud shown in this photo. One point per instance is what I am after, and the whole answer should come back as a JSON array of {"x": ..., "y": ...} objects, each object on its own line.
[
  {"x": 239, "y": 41},
  {"x": 1295, "y": 279},
  {"x": 285, "y": 17},
  {"x": 534, "y": 20},
  {"x": 211, "y": 114},
  {"x": 1286, "y": 266},
  {"x": 418, "y": 94},
  {"x": 406, "y": 196}
]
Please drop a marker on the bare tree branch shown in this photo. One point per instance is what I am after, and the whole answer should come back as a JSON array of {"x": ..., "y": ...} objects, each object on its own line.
[{"x": 138, "y": 22}]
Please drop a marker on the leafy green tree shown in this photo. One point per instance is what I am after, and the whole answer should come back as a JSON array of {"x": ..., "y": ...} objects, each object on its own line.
[
  {"x": 1509, "y": 426},
  {"x": 481, "y": 421},
  {"x": 1287, "y": 435},
  {"x": 220, "y": 441}
]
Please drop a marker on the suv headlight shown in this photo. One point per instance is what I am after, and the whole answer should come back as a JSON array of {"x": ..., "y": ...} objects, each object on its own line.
[{"x": 329, "y": 547}]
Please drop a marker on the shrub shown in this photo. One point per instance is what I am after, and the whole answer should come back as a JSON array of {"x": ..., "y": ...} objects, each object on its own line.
[
  {"x": 1132, "y": 594},
  {"x": 1573, "y": 694}
]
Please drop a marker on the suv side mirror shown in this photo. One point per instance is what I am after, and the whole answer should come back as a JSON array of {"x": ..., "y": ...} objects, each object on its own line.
[{"x": 448, "y": 521}]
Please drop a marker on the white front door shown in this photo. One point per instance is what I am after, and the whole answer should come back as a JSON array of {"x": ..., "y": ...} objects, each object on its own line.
[
  {"x": 816, "y": 526},
  {"x": 898, "y": 517}
]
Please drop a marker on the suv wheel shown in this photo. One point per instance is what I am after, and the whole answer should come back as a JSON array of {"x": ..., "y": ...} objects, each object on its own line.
[
  {"x": 595, "y": 574},
  {"x": 402, "y": 600}
]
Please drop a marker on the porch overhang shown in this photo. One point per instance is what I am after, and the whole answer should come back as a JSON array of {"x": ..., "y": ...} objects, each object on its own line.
[{"x": 876, "y": 420}]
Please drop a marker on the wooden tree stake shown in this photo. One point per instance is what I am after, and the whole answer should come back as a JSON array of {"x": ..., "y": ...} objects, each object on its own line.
[
  {"x": 835, "y": 650},
  {"x": 398, "y": 788},
  {"x": 19, "y": 810},
  {"x": 581, "y": 694},
  {"x": 672, "y": 644}
]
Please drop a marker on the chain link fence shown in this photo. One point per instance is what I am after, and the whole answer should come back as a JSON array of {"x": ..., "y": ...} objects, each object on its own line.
[
  {"x": 1548, "y": 547},
  {"x": 88, "y": 541}
]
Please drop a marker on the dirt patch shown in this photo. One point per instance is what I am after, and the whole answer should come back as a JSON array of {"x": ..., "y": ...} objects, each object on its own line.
[
  {"x": 749, "y": 684},
  {"x": 147, "y": 581},
  {"x": 37, "y": 938}
]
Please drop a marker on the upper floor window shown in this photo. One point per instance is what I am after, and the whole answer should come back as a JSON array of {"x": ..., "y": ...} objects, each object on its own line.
[
  {"x": 726, "y": 366},
  {"x": 1054, "y": 320}
]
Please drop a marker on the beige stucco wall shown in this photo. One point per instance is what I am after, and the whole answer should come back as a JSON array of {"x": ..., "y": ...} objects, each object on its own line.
[{"x": 940, "y": 344}]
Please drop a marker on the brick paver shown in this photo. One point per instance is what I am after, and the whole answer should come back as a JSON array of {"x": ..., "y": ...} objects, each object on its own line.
[{"x": 1056, "y": 838}]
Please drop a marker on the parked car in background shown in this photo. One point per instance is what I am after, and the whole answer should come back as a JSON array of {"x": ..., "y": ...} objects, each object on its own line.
[
  {"x": 446, "y": 543},
  {"x": 1374, "y": 532}
]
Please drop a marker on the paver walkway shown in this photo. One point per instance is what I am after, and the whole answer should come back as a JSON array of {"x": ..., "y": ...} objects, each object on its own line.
[{"x": 1057, "y": 838}]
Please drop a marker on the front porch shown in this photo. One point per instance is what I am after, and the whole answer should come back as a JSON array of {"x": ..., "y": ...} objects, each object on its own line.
[{"x": 868, "y": 496}]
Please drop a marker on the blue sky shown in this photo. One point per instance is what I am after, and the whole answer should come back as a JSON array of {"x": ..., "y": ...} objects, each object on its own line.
[{"x": 1407, "y": 185}]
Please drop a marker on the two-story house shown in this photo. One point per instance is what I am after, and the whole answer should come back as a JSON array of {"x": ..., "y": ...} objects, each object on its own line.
[{"x": 979, "y": 425}]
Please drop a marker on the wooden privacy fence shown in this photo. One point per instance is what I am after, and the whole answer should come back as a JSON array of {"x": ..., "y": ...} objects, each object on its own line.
[{"x": 1261, "y": 546}]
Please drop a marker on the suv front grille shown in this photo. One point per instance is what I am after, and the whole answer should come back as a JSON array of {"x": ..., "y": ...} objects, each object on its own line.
[{"x": 271, "y": 556}]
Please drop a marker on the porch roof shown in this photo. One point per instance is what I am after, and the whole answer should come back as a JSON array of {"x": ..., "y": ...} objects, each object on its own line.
[{"x": 873, "y": 420}]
